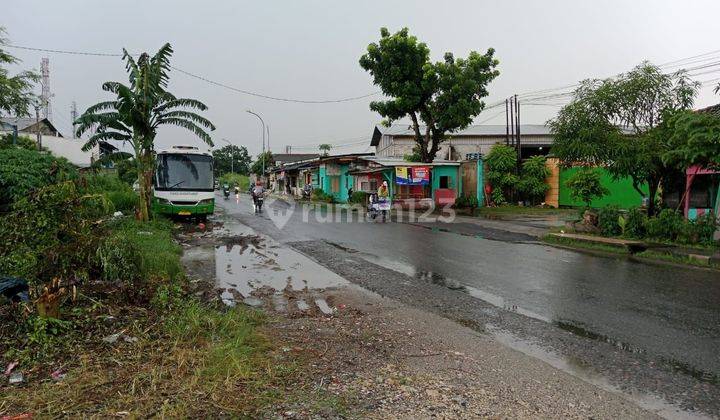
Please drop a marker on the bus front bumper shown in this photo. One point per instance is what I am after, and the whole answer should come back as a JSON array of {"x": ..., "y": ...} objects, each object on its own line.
[{"x": 180, "y": 210}]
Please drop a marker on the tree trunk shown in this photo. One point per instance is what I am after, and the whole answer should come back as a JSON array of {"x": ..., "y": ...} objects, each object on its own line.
[
  {"x": 653, "y": 186},
  {"x": 145, "y": 171}
]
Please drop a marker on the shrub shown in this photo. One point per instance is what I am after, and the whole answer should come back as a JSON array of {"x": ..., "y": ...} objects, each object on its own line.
[
  {"x": 502, "y": 162},
  {"x": 665, "y": 226},
  {"x": 51, "y": 233},
  {"x": 608, "y": 221},
  {"x": 532, "y": 179},
  {"x": 119, "y": 193},
  {"x": 22, "y": 171},
  {"x": 699, "y": 231},
  {"x": 358, "y": 197},
  {"x": 585, "y": 185},
  {"x": 319, "y": 195},
  {"x": 469, "y": 201},
  {"x": 635, "y": 221},
  {"x": 23, "y": 142},
  {"x": 233, "y": 180}
]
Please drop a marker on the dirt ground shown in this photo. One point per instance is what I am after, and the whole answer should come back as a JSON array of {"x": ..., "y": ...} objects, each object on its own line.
[{"x": 382, "y": 359}]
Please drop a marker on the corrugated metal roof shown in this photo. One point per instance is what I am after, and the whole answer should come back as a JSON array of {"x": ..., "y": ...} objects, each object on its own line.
[
  {"x": 472, "y": 130},
  {"x": 391, "y": 161}
]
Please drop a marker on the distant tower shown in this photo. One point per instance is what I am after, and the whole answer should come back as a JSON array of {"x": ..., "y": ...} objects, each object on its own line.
[
  {"x": 45, "y": 96},
  {"x": 73, "y": 117}
]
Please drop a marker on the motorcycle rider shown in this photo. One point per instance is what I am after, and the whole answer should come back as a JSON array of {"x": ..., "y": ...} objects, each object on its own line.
[
  {"x": 383, "y": 193},
  {"x": 226, "y": 190},
  {"x": 257, "y": 191}
]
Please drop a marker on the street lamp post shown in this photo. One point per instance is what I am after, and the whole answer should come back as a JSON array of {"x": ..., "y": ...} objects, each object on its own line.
[
  {"x": 263, "y": 140},
  {"x": 232, "y": 156}
]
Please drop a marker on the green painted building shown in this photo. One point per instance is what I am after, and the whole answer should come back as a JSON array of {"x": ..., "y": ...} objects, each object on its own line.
[{"x": 621, "y": 191}]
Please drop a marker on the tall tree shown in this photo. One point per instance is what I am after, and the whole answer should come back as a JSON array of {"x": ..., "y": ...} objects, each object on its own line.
[
  {"x": 444, "y": 96},
  {"x": 231, "y": 158},
  {"x": 618, "y": 123},
  {"x": 257, "y": 166},
  {"x": 694, "y": 138},
  {"x": 140, "y": 108},
  {"x": 325, "y": 148},
  {"x": 15, "y": 91}
]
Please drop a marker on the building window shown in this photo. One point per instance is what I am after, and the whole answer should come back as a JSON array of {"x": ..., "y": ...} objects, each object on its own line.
[
  {"x": 444, "y": 181},
  {"x": 373, "y": 185}
]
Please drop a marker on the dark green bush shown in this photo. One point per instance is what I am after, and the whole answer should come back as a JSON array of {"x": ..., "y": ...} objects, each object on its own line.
[
  {"x": 23, "y": 142},
  {"x": 22, "y": 171},
  {"x": 358, "y": 197},
  {"x": 119, "y": 193},
  {"x": 319, "y": 195},
  {"x": 502, "y": 162},
  {"x": 665, "y": 226},
  {"x": 699, "y": 231},
  {"x": 51, "y": 233},
  {"x": 532, "y": 179},
  {"x": 635, "y": 221},
  {"x": 608, "y": 220},
  {"x": 463, "y": 201}
]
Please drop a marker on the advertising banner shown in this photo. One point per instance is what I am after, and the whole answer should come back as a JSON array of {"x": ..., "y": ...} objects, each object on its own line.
[
  {"x": 414, "y": 175},
  {"x": 401, "y": 175}
]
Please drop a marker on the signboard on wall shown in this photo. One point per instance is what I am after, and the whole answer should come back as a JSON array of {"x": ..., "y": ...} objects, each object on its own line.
[
  {"x": 332, "y": 169},
  {"x": 414, "y": 175}
]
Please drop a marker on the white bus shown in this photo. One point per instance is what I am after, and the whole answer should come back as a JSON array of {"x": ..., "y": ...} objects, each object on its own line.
[{"x": 184, "y": 182}]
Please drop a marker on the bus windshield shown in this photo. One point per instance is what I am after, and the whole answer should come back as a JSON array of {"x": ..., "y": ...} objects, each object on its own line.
[{"x": 177, "y": 172}]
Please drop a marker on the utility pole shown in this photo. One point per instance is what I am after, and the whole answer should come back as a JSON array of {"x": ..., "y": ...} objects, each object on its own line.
[
  {"x": 263, "y": 140},
  {"x": 512, "y": 123},
  {"x": 517, "y": 118},
  {"x": 73, "y": 117},
  {"x": 507, "y": 124},
  {"x": 37, "y": 126},
  {"x": 268, "y": 138}
]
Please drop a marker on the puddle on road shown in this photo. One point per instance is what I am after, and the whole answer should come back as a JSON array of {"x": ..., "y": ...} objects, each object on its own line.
[
  {"x": 246, "y": 268},
  {"x": 245, "y": 262},
  {"x": 578, "y": 368}
]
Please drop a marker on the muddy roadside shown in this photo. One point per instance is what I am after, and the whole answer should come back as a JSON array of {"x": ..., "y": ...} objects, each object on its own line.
[{"x": 369, "y": 356}]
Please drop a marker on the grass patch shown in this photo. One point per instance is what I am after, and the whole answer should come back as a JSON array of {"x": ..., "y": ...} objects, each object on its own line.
[
  {"x": 673, "y": 258},
  {"x": 591, "y": 246},
  {"x": 176, "y": 356},
  {"x": 524, "y": 211}
]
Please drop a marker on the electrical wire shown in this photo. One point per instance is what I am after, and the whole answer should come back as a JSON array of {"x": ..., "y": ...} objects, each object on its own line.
[{"x": 205, "y": 79}]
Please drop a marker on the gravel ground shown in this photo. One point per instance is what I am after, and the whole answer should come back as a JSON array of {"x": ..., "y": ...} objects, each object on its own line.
[
  {"x": 633, "y": 373},
  {"x": 387, "y": 360}
]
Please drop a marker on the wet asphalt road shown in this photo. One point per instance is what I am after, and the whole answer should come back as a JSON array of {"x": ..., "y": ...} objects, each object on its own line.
[{"x": 578, "y": 305}]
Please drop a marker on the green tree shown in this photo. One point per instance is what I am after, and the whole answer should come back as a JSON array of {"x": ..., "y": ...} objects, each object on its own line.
[
  {"x": 15, "y": 91},
  {"x": 257, "y": 166},
  {"x": 585, "y": 185},
  {"x": 233, "y": 158},
  {"x": 502, "y": 162},
  {"x": 694, "y": 138},
  {"x": 325, "y": 149},
  {"x": 532, "y": 179},
  {"x": 445, "y": 96},
  {"x": 617, "y": 123},
  {"x": 140, "y": 108}
]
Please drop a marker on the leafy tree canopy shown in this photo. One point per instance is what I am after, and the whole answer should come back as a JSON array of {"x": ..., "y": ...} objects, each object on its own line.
[
  {"x": 257, "y": 166},
  {"x": 444, "y": 96},
  {"x": 694, "y": 139},
  {"x": 618, "y": 123},
  {"x": 15, "y": 91},
  {"x": 325, "y": 148},
  {"x": 233, "y": 158}
]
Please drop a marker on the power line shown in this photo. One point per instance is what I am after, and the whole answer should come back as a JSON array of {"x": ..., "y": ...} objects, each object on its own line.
[{"x": 205, "y": 79}]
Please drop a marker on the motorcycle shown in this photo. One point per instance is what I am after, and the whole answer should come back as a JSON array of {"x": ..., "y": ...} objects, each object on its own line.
[
  {"x": 258, "y": 202},
  {"x": 226, "y": 191},
  {"x": 378, "y": 206}
]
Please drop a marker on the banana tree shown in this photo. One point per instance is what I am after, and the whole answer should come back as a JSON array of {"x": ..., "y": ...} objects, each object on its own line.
[{"x": 141, "y": 107}]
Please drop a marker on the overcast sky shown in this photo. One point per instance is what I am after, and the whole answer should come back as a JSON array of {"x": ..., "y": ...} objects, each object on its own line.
[{"x": 310, "y": 50}]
